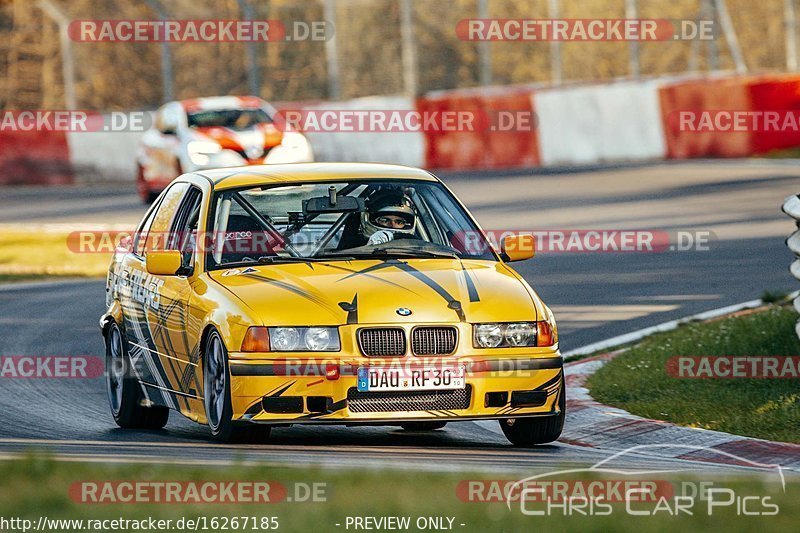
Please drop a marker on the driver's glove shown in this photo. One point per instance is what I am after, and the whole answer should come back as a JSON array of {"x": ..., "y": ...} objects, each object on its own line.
[{"x": 380, "y": 237}]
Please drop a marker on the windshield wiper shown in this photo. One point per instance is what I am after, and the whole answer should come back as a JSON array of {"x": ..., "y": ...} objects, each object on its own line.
[
  {"x": 273, "y": 259},
  {"x": 405, "y": 252}
]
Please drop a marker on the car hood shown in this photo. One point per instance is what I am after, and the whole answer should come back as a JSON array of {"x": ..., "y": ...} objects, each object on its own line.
[
  {"x": 371, "y": 292},
  {"x": 252, "y": 141}
]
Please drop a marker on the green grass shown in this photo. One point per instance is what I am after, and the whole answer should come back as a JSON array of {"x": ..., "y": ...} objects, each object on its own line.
[
  {"x": 27, "y": 256},
  {"x": 40, "y": 487},
  {"x": 638, "y": 382}
]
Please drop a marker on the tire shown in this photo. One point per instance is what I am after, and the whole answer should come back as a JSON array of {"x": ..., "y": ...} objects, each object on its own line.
[
  {"x": 533, "y": 431},
  {"x": 123, "y": 389},
  {"x": 217, "y": 397},
  {"x": 423, "y": 426}
]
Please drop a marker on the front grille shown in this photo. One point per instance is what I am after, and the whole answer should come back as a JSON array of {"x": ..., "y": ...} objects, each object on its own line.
[
  {"x": 392, "y": 401},
  {"x": 434, "y": 340},
  {"x": 382, "y": 342}
]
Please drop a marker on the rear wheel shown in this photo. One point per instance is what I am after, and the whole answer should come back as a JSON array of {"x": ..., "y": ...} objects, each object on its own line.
[
  {"x": 217, "y": 397},
  {"x": 124, "y": 393},
  {"x": 532, "y": 431},
  {"x": 423, "y": 426}
]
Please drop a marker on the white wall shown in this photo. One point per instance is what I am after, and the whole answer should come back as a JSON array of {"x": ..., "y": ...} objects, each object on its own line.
[
  {"x": 614, "y": 122},
  {"x": 404, "y": 148}
]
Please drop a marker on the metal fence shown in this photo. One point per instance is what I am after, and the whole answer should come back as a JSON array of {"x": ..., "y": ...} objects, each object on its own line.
[{"x": 377, "y": 47}]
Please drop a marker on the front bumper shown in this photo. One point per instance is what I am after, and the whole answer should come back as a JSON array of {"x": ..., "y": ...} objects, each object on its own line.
[{"x": 299, "y": 391}]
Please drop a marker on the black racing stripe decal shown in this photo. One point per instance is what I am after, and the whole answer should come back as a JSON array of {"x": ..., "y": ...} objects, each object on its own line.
[
  {"x": 471, "y": 289},
  {"x": 452, "y": 303},
  {"x": 280, "y": 390},
  {"x": 551, "y": 382},
  {"x": 143, "y": 324},
  {"x": 366, "y": 272},
  {"x": 254, "y": 409},
  {"x": 296, "y": 290},
  {"x": 162, "y": 334},
  {"x": 352, "y": 310}
]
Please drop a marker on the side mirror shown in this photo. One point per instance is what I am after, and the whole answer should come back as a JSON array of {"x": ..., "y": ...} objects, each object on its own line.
[
  {"x": 163, "y": 262},
  {"x": 518, "y": 247}
]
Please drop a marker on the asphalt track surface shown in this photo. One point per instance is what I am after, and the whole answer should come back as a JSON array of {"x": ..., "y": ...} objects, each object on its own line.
[{"x": 594, "y": 295}]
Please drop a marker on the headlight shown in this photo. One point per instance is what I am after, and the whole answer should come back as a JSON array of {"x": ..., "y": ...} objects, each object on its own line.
[
  {"x": 200, "y": 152},
  {"x": 294, "y": 141},
  {"x": 488, "y": 335},
  {"x": 512, "y": 334},
  {"x": 284, "y": 339},
  {"x": 313, "y": 339}
]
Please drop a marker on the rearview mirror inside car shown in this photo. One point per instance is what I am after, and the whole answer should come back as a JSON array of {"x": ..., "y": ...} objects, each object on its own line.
[
  {"x": 163, "y": 262},
  {"x": 336, "y": 204},
  {"x": 518, "y": 247}
]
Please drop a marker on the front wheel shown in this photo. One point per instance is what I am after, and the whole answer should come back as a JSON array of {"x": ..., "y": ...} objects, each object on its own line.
[
  {"x": 533, "y": 431},
  {"x": 124, "y": 393},
  {"x": 217, "y": 397}
]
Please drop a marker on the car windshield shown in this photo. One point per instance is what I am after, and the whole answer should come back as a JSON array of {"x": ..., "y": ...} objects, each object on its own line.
[
  {"x": 235, "y": 119},
  {"x": 341, "y": 221}
]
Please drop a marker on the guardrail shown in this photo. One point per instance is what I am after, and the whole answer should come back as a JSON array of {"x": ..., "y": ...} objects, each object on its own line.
[{"x": 791, "y": 206}]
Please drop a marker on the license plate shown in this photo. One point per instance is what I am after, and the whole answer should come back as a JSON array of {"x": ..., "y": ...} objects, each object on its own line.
[{"x": 410, "y": 379}]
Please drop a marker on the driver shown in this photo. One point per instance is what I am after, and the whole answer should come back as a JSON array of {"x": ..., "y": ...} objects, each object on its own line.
[{"x": 389, "y": 215}]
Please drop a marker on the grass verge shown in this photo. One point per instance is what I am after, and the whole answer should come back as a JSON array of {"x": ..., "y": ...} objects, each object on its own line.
[
  {"x": 638, "y": 381},
  {"x": 47, "y": 255},
  {"x": 39, "y": 487}
]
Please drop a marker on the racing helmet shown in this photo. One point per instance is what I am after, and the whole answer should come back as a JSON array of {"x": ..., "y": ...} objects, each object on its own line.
[{"x": 388, "y": 205}]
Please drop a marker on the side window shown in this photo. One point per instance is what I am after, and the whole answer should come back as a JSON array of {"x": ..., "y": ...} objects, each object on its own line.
[
  {"x": 140, "y": 236},
  {"x": 158, "y": 237},
  {"x": 183, "y": 235}
]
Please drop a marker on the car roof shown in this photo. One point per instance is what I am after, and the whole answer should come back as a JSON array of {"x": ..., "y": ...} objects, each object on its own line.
[
  {"x": 227, "y": 178},
  {"x": 207, "y": 103}
]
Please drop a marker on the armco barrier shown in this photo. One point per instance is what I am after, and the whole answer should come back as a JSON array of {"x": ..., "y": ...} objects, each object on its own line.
[
  {"x": 775, "y": 94},
  {"x": 505, "y": 132},
  {"x": 791, "y": 206},
  {"x": 705, "y": 95},
  {"x": 34, "y": 158},
  {"x": 613, "y": 122},
  {"x": 571, "y": 125}
]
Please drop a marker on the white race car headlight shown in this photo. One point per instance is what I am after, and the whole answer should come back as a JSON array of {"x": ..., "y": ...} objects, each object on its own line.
[
  {"x": 294, "y": 141},
  {"x": 512, "y": 334},
  {"x": 200, "y": 152},
  {"x": 313, "y": 339}
]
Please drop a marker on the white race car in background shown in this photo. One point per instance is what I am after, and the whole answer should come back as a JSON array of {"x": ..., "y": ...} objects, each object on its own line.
[{"x": 204, "y": 133}]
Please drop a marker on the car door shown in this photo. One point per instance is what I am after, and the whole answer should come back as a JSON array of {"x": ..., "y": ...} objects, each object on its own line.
[
  {"x": 152, "y": 305},
  {"x": 178, "y": 336}
]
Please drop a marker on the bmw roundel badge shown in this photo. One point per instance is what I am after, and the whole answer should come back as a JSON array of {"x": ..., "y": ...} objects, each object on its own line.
[{"x": 403, "y": 311}]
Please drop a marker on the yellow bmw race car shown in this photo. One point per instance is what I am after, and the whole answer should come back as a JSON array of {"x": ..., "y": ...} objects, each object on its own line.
[{"x": 326, "y": 293}]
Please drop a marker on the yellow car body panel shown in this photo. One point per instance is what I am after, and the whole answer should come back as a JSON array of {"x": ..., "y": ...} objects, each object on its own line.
[{"x": 165, "y": 319}]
